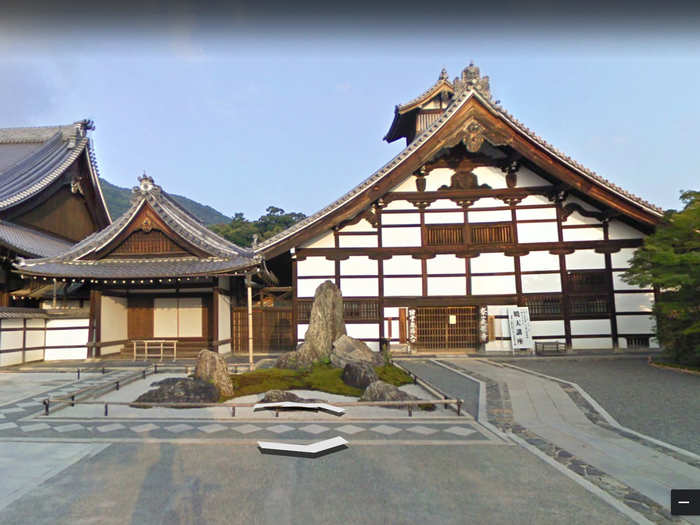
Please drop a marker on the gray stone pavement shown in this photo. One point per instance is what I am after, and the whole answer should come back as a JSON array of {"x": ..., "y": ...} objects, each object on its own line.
[
  {"x": 660, "y": 403},
  {"x": 150, "y": 483},
  {"x": 544, "y": 408}
]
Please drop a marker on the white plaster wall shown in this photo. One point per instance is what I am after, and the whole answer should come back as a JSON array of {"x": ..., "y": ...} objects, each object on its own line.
[
  {"x": 446, "y": 263},
  {"x": 307, "y": 287},
  {"x": 620, "y": 230},
  {"x": 401, "y": 218},
  {"x": 391, "y": 311},
  {"x": 529, "y": 214},
  {"x": 373, "y": 345},
  {"x": 619, "y": 284},
  {"x": 76, "y": 338},
  {"x": 487, "y": 202},
  {"x": 325, "y": 240},
  {"x": 357, "y": 241},
  {"x": 165, "y": 317},
  {"x": 394, "y": 328},
  {"x": 492, "y": 262},
  {"x": 443, "y": 204},
  {"x": 634, "y": 302},
  {"x": 576, "y": 219},
  {"x": 363, "y": 331},
  {"x": 534, "y": 200},
  {"x": 527, "y": 178},
  {"x": 10, "y": 358},
  {"x": 359, "y": 287},
  {"x": 402, "y": 265},
  {"x": 635, "y": 324},
  {"x": 590, "y": 326},
  {"x": 622, "y": 258},
  {"x": 113, "y": 323},
  {"x": 448, "y": 217},
  {"x": 542, "y": 282},
  {"x": 592, "y": 342},
  {"x": 583, "y": 234},
  {"x": 537, "y": 232},
  {"x": 36, "y": 336},
  {"x": 585, "y": 260},
  {"x": 447, "y": 286},
  {"x": 537, "y": 261},
  {"x": 494, "y": 177},
  {"x": 403, "y": 286},
  {"x": 499, "y": 309},
  {"x": 553, "y": 328},
  {"x": 576, "y": 200},
  {"x": 489, "y": 216},
  {"x": 11, "y": 340},
  {"x": 224, "y": 314},
  {"x": 496, "y": 284},
  {"x": 400, "y": 205},
  {"x": 436, "y": 178},
  {"x": 301, "y": 331},
  {"x": 408, "y": 184},
  {"x": 362, "y": 226},
  {"x": 315, "y": 266},
  {"x": 499, "y": 346},
  {"x": 359, "y": 266},
  {"x": 189, "y": 312},
  {"x": 400, "y": 237}
]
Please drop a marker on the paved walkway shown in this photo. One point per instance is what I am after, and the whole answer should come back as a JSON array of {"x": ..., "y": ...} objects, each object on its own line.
[{"x": 543, "y": 407}]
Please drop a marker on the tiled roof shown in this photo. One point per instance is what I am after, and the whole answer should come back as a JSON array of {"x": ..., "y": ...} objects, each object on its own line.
[
  {"x": 31, "y": 242},
  {"x": 460, "y": 98},
  {"x": 442, "y": 82},
  {"x": 7, "y": 312},
  {"x": 222, "y": 256}
]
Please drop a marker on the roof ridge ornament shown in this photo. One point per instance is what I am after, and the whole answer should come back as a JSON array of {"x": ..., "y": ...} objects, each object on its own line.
[
  {"x": 471, "y": 79},
  {"x": 146, "y": 186},
  {"x": 444, "y": 75}
]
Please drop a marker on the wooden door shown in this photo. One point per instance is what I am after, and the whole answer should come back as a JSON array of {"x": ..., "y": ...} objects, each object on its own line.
[{"x": 140, "y": 317}]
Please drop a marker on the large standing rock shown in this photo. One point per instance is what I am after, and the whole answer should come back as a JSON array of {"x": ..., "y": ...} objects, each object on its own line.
[
  {"x": 180, "y": 390},
  {"x": 359, "y": 375},
  {"x": 213, "y": 368},
  {"x": 326, "y": 324},
  {"x": 348, "y": 350},
  {"x": 381, "y": 391}
]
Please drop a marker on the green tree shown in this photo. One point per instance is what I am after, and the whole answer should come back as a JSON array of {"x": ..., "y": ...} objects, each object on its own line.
[
  {"x": 669, "y": 260},
  {"x": 240, "y": 230}
]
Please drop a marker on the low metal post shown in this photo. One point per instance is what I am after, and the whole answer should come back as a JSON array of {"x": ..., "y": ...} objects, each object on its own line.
[
  {"x": 78, "y": 374},
  {"x": 117, "y": 383},
  {"x": 415, "y": 379},
  {"x": 103, "y": 370},
  {"x": 410, "y": 411},
  {"x": 233, "y": 411},
  {"x": 72, "y": 400},
  {"x": 106, "y": 410},
  {"x": 445, "y": 397},
  {"x": 155, "y": 369},
  {"x": 143, "y": 373},
  {"x": 46, "y": 406},
  {"x": 459, "y": 407},
  {"x": 277, "y": 413}
]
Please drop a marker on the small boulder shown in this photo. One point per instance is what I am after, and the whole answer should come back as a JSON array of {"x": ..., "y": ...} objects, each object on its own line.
[
  {"x": 280, "y": 396},
  {"x": 212, "y": 367},
  {"x": 382, "y": 391},
  {"x": 359, "y": 375},
  {"x": 180, "y": 390},
  {"x": 348, "y": 350}
]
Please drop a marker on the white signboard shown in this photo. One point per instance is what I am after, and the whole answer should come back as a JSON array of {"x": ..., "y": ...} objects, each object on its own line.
[{"x": 520, "y": 327}]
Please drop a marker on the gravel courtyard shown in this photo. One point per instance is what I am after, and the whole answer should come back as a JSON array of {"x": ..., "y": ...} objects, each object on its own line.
[{"x": 659, "y": 403}]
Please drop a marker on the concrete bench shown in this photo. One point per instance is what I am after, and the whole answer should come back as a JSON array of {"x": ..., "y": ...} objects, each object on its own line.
[{"x": 307, "y": 450}]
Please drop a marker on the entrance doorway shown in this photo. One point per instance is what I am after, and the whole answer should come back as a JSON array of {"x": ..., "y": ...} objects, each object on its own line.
[{"x": 443, "y": 328}]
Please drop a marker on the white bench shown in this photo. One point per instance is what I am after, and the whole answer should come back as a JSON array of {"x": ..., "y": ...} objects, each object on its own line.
[
  {"x": 304, "y": 406},
  {"x": 310, "y": 449}
]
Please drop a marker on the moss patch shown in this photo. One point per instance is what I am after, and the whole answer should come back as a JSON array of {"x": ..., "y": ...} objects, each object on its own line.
[{"x": 393, "y": 375}]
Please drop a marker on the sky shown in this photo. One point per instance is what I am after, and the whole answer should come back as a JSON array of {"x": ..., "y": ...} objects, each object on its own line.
[{"x": 242, "y": 111}]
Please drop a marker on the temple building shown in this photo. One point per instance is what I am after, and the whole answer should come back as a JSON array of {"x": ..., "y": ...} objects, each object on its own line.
[{"x": 477, "y": 215}]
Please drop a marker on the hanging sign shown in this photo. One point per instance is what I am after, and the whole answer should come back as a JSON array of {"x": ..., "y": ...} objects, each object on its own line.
[
  {"x": 520, "y": 327},
  {"x": 412, "y": 328},
  {"x": 484, "y": 324},
  {"x": 453, "y": 319}
]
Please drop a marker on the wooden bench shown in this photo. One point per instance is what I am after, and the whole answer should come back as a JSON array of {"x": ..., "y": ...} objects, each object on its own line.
[{"x": 159, "y": 345}]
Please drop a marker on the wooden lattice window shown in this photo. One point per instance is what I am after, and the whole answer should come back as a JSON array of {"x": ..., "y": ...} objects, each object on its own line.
[
  {"x": 589, "y": 305},
  {"x": 493, "y": 233},
  {"x": 304, "y": 311},
  {"x": 444, "y": 234},
  {"x": 544, "y": 306},
  {"x": 588, "y": 281},
  {"x": 353, "y": 310}
]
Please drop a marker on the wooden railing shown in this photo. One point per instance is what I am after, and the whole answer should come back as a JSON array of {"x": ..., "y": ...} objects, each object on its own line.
[{"x": 162, "y": 344}]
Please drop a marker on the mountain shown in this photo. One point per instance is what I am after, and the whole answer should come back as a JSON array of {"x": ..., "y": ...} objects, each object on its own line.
[{"x": 118, "y": 202}]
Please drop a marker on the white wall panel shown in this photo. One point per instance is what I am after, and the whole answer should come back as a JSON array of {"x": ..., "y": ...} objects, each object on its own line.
[
  {"x": 551, "y": 328},
  {"x": 634, "y": 302},
  {"x": 492, "y": 262},
  {"x": 498, "y": 346},
  {"x": 444, "y": 204},
  {"x": 403, "y": 286},
  {"x": 619, "y": 284},
  {"x": 363, "y": 331},
  {"x": 33, "y": 355},
  {"x": 301, "y": 330},
  {"x": 325, "y": 240},
  {"x": 448, "y": 217},
  {"x": 499, "y": 309},
  {"x": 494, "y": 177},
  {"x": 529, "y": 214},
  {"x": 113, "y": 323},
  {"x": 436, "y": 178},
  {"x": 359, "y": 266},
  {"x": 447, "y": 285},
  {"x": 77, "y": 339},
  {"x": 590, "y": 326},
  {"x": 583, "y": 234},
  {"x": 360, "y": 287},
  {"x": 357, "y": 241},
  {"x": 446, "y": 263},
  {"x": 622, "y": 258},
  {"x": 527, "y": 178},
  {"x": 585, "y": 260},
  {"x": 535, "y": 200},
  {"x": 394, "y": 328},
  {"x": 165, "y": 317},
  {"x": 307, "y": 287},
  {"x": 315, "y": 266},
  {"x": 620, "y": 230},
  {"x": 583, "y": 204},
  {"x": 538, "y": 232},
  {"x": 402, "y": 265},
  {"x": 487, "y": 202},
  {"x": 541, "y": 282},
  {"x": 635, "y": 324},
  {"x": 400, "y": 237},
  {"x": 592, "y": 342},
  {"x": 391, "y": 311},
  {"x": 496, "y": 284},
  {"x": 10, "y": 358},
  {"x": 576, "y": 219},
  {"x": 489, "y": 216},
  {"x": 408, "y": 184},
  {"x": 537, "y": 261},
  {"x": 400, "y": 205},
  {"x": 10, "y": 340},
  {"x": 224, "y": 314},
  {"x": 401, "y": 218},
  {"x": 362, "y": 225}
]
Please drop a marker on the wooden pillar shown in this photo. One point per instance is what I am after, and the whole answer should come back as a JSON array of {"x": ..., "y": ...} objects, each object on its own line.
[
  {"x": 95, "y": 320},
  {"x": 215, "y": 318},
  {"x": 249, "y": 288}
]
